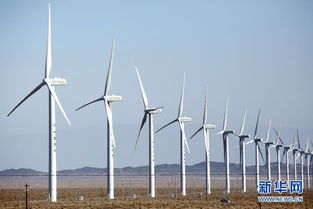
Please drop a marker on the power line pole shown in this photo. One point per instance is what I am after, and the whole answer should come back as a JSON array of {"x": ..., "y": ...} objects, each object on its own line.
[{"x": 26, "y": 195}]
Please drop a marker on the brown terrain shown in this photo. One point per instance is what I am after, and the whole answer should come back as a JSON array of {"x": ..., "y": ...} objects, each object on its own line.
[{"x": 131, "y": 192}]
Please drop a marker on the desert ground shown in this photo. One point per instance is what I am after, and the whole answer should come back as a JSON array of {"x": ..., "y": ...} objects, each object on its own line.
[{"x": 131, "y": 192}]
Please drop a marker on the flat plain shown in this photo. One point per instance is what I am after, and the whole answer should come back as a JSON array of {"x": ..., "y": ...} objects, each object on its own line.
[{"x": 90, "y": 192}]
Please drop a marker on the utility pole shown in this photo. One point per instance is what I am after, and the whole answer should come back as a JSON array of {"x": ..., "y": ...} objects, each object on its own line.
[{"x": 26, "y": 195}]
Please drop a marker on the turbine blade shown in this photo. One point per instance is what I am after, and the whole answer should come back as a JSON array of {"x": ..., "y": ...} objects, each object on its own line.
[
  {"x": 307, "y": 145},
  {"x": 31, "y": 93},
  {"x": 225, "y": 115},
  {"x": 282, "y": 157},
  {"x": 143, "y": 93},
  {"x": 219, "y": 133},
  {"x": 278, "y": 135},
  {"x": 96, "y": 100},
  {"x": 181, "y": 103},
  {"x": 143, "y": 122},
  {"x": 252, "y": 140},
  {"x": 298, "y": 138},
  {"x": 48, "y": 63},
  {"x": 280, "y": 138},
  {"x": 257, "y": 124},
  {"x": 297, "y": 157},
  {"x": 243, "y": 123},
  {"x": 268, "y": 131},
  {"x": 205, "y": 107},
  {"x": 182, "y": 128},
  {"x": 166, "y": 125},
  {"x": 110, "y": 120},
  {"x": 108, "y": 80},
  {"x": 196, "y": 132},
  {"x": 54, "y": 95},
  {"x": 261, "y": 153},
  {"x": 236, "y": 134}
]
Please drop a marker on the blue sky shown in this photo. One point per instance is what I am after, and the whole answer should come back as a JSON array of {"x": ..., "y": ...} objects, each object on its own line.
[{"x": 259, "y": 53}]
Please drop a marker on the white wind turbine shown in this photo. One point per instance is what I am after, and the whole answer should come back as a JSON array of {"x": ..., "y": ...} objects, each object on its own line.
[
  {"x": 301, "y": 155},
  {"x": 307, "y": 154},
  {"x": 287, "y": 149},
  {"x": 108, "y": 99},
  {"x": 278, "y": 146},
  {"x": 257, "y": 152},
  {"x": 50, "y": 83},
  {"x": 268, "y": 146},
  {"x": 294, "y": 151},
  {"x": 148, "y": 112},
  {"x": 206, "y": 132},
  {"x": 242, "y": 151},
  {"x": 225, "y": 133},
  {"x": 183, "y": 141}
]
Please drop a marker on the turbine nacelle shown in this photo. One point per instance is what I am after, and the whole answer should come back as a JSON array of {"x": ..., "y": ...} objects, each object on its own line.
[
  {"x": 228, "y": 131},
  {"x": 269, "y": 143},
  {"x": 56, "y": 81},
  {"x": 257, "y": 140},
  {"x": 244, "y": 136},
  {"x": 184, "y": 119},
  {"x": 113, "y": 98},
  {"x": 278, "y": 146},
  {"x": 153, "y": 110},
  {"x": 209, "y": 126}
]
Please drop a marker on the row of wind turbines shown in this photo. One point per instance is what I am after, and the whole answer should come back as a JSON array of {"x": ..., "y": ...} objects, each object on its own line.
[{"x": 149, "y": 113}]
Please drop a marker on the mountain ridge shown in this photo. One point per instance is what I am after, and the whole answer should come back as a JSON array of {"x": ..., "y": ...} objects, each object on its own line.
[{"x": 198, "y": 168}]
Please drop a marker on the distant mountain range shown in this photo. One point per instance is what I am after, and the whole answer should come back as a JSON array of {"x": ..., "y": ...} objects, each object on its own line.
[{"x": 199, "y": 168}]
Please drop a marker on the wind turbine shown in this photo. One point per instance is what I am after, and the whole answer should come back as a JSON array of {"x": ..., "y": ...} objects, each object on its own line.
[
  {"x": 307, "y": 154},
  {"x": 268, "y": 145},
  {"x": 206, "y": 132},
  {"x": 148, "y": 112},
  {"x": 258, "y": 151},
  {"x": 301, "y": 154},
  {"x": 277, "y": 146},
  {"x": 287, "y": 149},
  {"x": 294, "y": 151},
  {"x": 50, "y": 83},
  {"x": 242, "y": 151},
  {"x": 183, "y": 141},
  {"x": 108, "y": 99},
  {"x": 225, "y": 133}
]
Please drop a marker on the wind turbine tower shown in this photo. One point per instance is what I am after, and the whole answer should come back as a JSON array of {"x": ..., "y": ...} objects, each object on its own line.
[
  {"x": 287, "y": 149},
  {"x": 108, "y": 99},
  {"x": 294, "y": 151},
  {"x": 242, "y": 151},
  {"x": 307, "y": 157},
  {"x": 225, "y": 132},
  {"x": 268, "y": 145},
  {"x": 148, "y": 111},
  {"x": 278, "y": 146},
  {"x": 183, "y": 141},
  {"x": 206, "y": 133},
  {"x": 53, "y": 98},
  {"x": 257, "y": 152}
]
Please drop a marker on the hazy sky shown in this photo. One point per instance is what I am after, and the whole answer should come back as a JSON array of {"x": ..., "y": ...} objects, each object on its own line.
[{"x": 259, "y": 53}]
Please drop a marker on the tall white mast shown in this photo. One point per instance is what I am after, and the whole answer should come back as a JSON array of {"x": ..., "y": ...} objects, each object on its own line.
[
  {"x": 108, "y": 99},
  {"x": 148, "y": 112},
  {"x": 183, "y": 141},
  {"x": 53, "y": 98}
]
